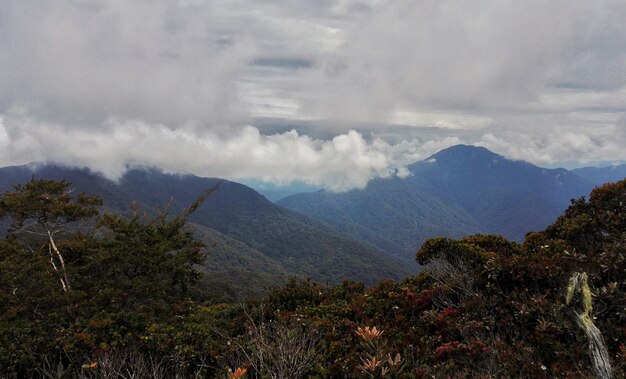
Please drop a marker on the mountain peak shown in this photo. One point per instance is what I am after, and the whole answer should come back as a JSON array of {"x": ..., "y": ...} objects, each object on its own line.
[{"x": 464, "y": 152}]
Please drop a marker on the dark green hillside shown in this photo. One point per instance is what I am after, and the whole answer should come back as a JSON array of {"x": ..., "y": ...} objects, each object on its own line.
[
  {"x": 389, "y": 213},
  {"x": 228, "y": 253},
  {"x": 261, "y": 236},
  {"x": 463, "y": 173},
  {"x": 513, "y": 213},
  {"x": 495, "y": 190},
  {"x": 458, "y": 191}
]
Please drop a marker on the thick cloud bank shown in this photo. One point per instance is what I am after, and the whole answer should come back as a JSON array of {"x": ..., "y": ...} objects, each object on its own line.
[
  {"x": 111, "y": 83},
  {"x": 346, "y": 161}
]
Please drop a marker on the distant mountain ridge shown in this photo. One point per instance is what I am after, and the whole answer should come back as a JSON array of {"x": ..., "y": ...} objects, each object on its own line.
[
  {"x": 245, "y": 231},
  {"x": 458, "y": 191},
  {"x": 601, "y": 175}
]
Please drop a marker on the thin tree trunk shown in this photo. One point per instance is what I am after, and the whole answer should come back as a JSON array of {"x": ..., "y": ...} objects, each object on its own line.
[
  {"x": 64, "y": 282},
  {"x": 54, "y": 266}
]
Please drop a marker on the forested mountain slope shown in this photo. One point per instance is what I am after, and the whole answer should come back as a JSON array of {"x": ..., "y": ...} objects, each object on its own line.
[
  {"x": 459, "y": 191},
  {"x": 247, "y": 232}
]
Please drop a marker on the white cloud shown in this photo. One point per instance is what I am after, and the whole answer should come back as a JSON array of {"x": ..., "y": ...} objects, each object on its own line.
[
  {"x": 5, "y": 141},
  {"x": 541, "y": 81},
  {"x": 82, "y": 62},
  {"x": 490, "y": 55},
  {"x": 553, "y": 146},
  {"x": 346, "y": 161}
]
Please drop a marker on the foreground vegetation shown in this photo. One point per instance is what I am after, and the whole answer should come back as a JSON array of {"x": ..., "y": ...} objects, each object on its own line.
[{"x": 93, "y": 295}]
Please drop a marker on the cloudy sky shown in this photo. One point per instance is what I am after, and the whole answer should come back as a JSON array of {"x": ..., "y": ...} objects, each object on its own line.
[{"x": 330, "y": 93}]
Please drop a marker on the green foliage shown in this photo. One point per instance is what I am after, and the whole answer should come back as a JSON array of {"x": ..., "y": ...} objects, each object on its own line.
[
  {"x": 46, "y": 203},
  {"x": 513, "y": 323},
  {"x": 467, "y": 250},
  {"x": 126, "y": 275},
  {"x": 296, "y": 294},
  {"x": 154, "y": 259},
  {"x": 40, "y": 209},
  {"x": 483, "y": 307}
]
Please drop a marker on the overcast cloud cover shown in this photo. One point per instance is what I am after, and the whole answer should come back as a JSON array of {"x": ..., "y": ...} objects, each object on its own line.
[{"x": 215, "y": 87}]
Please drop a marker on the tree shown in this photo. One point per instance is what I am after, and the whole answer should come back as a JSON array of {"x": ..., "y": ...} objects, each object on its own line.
[
  {"x": 44, "y": 208},
  {"x": 126, "y": 277}
]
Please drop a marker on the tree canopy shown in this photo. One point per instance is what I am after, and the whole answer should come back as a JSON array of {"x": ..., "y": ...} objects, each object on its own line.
[
  {"x": 482, "y": 307},
  {"x": 118, "y": 275}
]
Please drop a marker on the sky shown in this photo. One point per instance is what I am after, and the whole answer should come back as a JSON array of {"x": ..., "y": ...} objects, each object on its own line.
[{"x": 326, "y": 93}]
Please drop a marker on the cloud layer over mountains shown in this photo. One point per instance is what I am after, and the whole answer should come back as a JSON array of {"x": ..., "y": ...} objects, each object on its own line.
[{"x": 177, "y": 84}]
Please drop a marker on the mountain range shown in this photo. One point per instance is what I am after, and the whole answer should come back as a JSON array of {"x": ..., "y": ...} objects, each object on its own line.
[
  {"x": 250, "y": 240},
  {"x": 458, "y": 191},
  {"x": 601, "y": 175},
  {"x": 365, "y": 234}
]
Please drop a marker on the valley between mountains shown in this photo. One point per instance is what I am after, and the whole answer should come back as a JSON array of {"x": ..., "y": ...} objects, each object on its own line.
[{"x": 365, "y": 234}]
